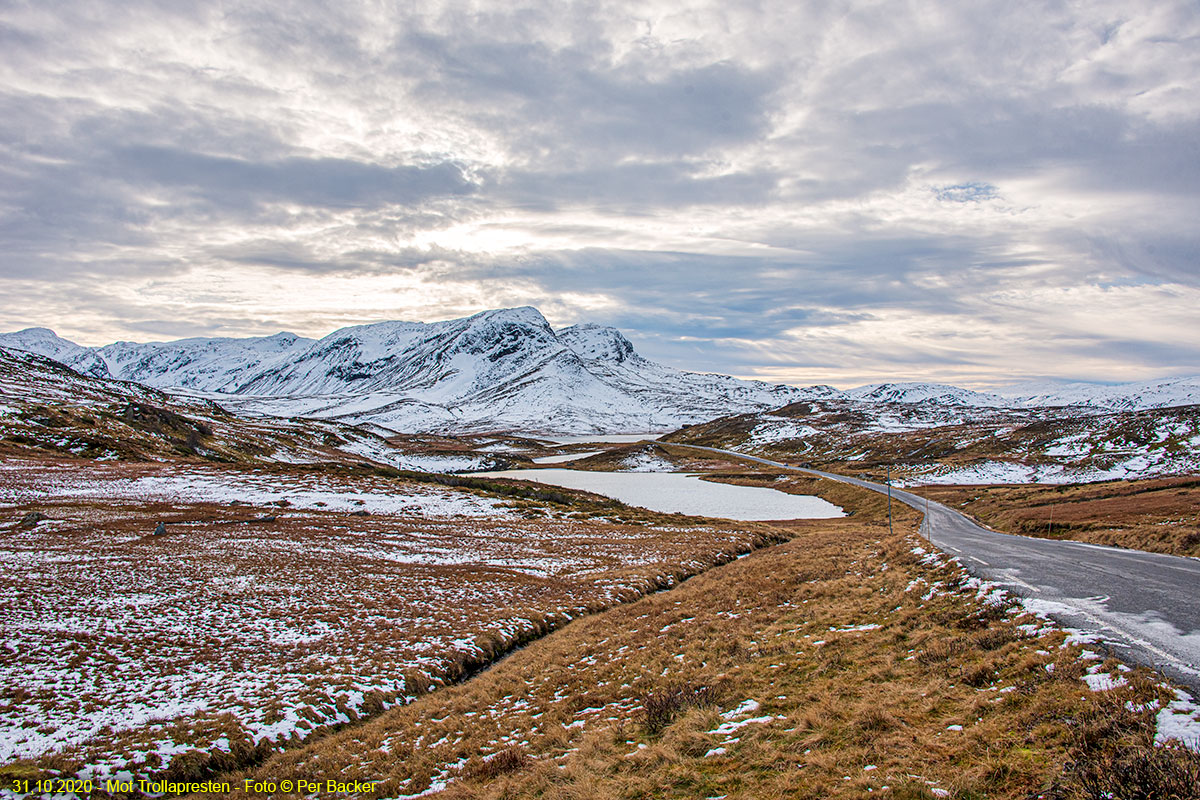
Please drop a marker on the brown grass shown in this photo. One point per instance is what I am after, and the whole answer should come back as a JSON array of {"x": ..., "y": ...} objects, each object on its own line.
[
  {"x": 848, "y": 709},
  {"x": 273, "y": 609},
  {"x": 661, "y": 707}
]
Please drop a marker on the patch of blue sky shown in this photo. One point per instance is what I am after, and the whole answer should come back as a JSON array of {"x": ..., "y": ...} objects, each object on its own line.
[{"x": 972, "y": 192}]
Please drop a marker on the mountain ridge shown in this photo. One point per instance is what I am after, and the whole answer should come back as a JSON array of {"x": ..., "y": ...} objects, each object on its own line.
[
  {"x": 499, "y": 369},
  {"x": 507, "y": 369}
]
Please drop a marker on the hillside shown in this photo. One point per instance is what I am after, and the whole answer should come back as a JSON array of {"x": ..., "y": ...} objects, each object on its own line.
[
  {"x": 844, "y": 663},
  {"x": 931, "y": 442},
  {"x": 505, "y": 369},
  {"x": 190, "y": 578},
  {"x": 47, "y": 409},
  {"x": 207, "y": 596}
]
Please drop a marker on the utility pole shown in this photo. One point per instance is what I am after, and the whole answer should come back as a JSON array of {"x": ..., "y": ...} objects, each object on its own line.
[{"x": 889, "y": 485}]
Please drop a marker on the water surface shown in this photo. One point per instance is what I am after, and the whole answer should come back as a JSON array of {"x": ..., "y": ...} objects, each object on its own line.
[
  {"x": 676, "y": 492},
  {"x": 564, "y": 458},
  {"x": 611, "y": 438}
]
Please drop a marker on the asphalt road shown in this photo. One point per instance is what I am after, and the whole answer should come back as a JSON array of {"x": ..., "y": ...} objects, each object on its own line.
[{"x": 1145, "y": 606}]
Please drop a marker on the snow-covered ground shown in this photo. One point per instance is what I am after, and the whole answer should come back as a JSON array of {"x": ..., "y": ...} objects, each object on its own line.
[
  {"x": 276, "y": 601},
  {"x": 935, "y": 443},
  {"x": 777, "y": 429},
  {"x": 1142, "y": 465},
  {"x": 646, "y": 462},
  {"x": 261, "y": 488},
  {"x": 604, "y": 438}
]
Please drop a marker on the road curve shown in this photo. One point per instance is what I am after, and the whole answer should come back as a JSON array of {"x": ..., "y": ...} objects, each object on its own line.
[{"x": 1145, "y": 606}]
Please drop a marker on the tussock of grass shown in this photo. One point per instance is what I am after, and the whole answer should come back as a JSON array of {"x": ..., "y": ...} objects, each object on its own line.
[
  {"x": 661, "y": 707},
  {"x": 509, "y": 760},
  {"x": 1113, "y": 755}
]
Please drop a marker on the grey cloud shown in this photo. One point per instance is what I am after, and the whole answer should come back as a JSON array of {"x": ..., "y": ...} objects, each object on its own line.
[
  {"x": 79, "y": 188},
  {"x": 16, "y": 41},
  {"x": 632, "y": 187},
  {"x": 744, "y": 297},
  {"x": 108, "y": 172},
  {"x": 576, "y": 108},
  {"x": 1184, "y": 357},
  {"x": 326, "y": 182},
  {"x": 298, "y": 256},
  {"x": 1167, "y": 256}
]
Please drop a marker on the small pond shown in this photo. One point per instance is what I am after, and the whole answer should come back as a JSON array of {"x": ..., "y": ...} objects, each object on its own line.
[
  {"x": 676, "y": 492},
  {"x": 564, "y": 458},
  {"x": 607, "y": 438}
]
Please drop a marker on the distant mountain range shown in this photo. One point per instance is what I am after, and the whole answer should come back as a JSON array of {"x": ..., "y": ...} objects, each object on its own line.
[
  {"x": 503, "y": 370},
  {"x": 1137, "y": 396}
]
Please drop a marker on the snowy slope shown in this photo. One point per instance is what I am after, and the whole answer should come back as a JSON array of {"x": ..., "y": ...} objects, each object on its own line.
[
  {"x": 508, "y": 369},
  {"x": 496, "y": 369},
  {"x": 45, "y": 342},
  {"x": 42, "y": 341},
  {"x": 592, "y": 342},
  {"x": 449, "y": 360},
  {"x": 1162, "y": 393},
  {"x": 1143, "y": 395},
  {"x": 504, "y": 369},
  {"x": 939, "y": 393},
  {"x": 609, "y": 355},
  {"x": 214, "y": 365}
]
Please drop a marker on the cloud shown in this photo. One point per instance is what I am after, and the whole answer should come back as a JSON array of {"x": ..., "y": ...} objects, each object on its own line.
[
  {"x": 802, "y": 190},
  {"x": 638, "y": 188},
  {"x": 569, "y": 105},
  {"x": 331, "y": 183}
]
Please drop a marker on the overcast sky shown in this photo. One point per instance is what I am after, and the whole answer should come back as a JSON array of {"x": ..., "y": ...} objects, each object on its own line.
[{"x": 804, "y": 192}]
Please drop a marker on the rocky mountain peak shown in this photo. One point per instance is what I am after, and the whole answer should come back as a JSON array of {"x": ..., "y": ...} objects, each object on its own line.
[{"x": 592, "y": 342}]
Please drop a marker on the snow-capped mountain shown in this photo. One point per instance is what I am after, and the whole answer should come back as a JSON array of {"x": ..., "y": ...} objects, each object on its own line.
[
  {"x": 599, "y": 342},
  {"x": 1136, "y": 396},
  {"x": 607, "y": 354},
  {"x": 494, "y": 370},
  {"x": 1139, "y": 396},
  {"x": 45, "y": 342},
  {"x": 208, "y": 365},
  {"x": 508, "y": 369},
  {"x": 939, "y": 393}
]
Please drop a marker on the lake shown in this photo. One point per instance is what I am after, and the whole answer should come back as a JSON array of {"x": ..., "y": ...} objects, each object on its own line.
[
  {"x": 565, "y": 458},
  {"x": 605, "y": 438},
  {"x": 677, "y": 492}
]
